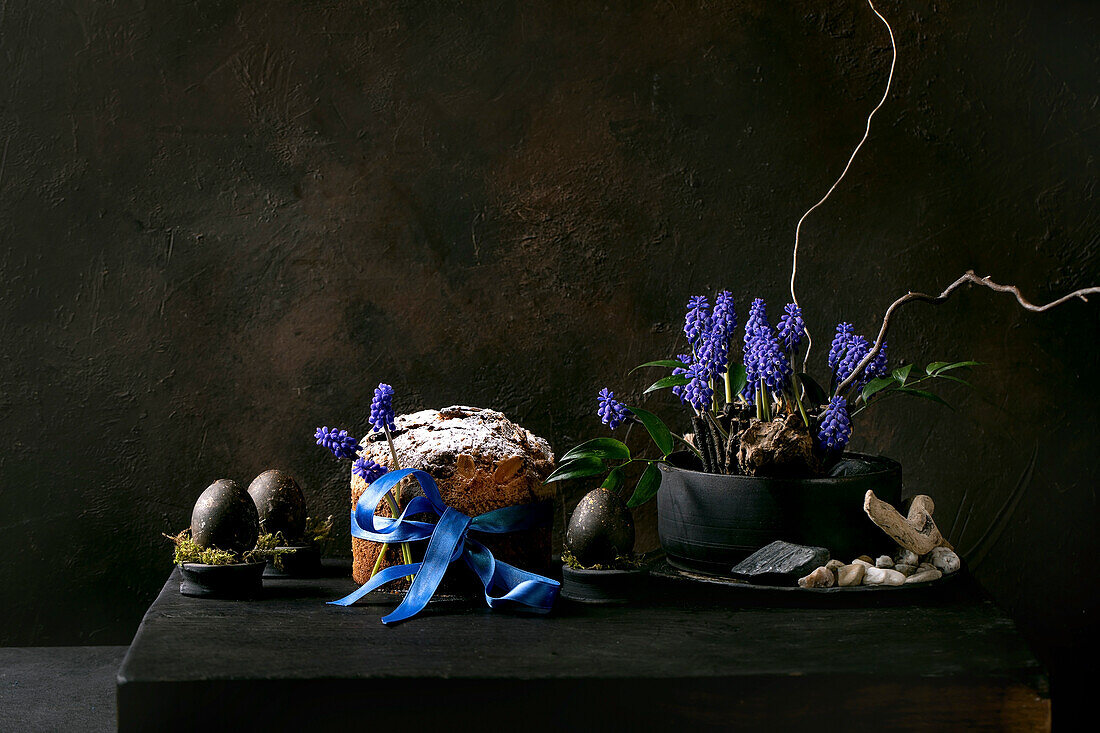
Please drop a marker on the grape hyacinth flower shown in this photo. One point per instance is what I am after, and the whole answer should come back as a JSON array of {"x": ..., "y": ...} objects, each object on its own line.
[
  {"x": 758, "y": 317},
  {"x": 714, "y": 353},
  {"x": 696, "y": 319},
  {"x": 338, "y": 441},
  {"x": 724, "y": 318},
  {"x": 844, "y": 332},
  {"x": 381, "y": 408},
  {"x": 878, "y": 366},
  {"x": 698, "y": 392},
  {"x": 611, "y": 411},
  {"x": 771, "y": 363},
  {"x": 368, "y": 470},
  {"x": 835, "y": 428},
  {"x": 792, "y": 329},
  {"x": 857, "y": 348}
]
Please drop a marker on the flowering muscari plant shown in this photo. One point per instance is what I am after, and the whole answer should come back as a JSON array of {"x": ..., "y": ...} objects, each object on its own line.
[
  {"x": 723, "y": 395},
  {"x": 342, "y": 445}
]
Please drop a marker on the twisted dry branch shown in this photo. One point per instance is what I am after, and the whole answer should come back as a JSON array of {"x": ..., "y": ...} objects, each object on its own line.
[{"x": 968, "y": 278}]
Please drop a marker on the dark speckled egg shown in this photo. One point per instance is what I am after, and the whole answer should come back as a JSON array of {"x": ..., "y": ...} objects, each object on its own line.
[
  {"x": 225, "y": 517},
  {"x": 280, "y": 503},
  {"x": 600, "y": 530}
]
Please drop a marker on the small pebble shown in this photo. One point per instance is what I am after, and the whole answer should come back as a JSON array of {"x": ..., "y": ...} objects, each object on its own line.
[
  {"x": 864, "y": 563},
  {"x": 821, "y": 578},
  {"x": 905, "y": 570},
  {"x": 906, "y": 557},
  {"x": 884, "y": 561},
  {"x": 924, "y": 576},
  {"x": 945, "y": 560},
  {"x": 867, "y": 559},
  {"x": 883, "y": 576},
  {"x": 926, "y": 566},
  {"x": 834, "y": 565},
  {"x": 851, "y": 574}
]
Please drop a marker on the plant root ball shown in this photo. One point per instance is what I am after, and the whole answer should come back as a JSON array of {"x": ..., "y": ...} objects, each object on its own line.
[
  {"x": 280, "y": 503},
  {"x": 225, "y": 517},
  {"x": 778, "y": 449},
  {"x": 601, "y": 529}
]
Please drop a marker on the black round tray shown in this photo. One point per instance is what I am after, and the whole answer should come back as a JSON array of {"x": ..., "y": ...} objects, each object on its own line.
[{"x": 692, "y": 581}]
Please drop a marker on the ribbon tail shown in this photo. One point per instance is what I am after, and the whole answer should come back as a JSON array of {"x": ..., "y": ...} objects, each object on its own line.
[
  {"x": 442, "y": 548},
  {"x": 537, "y": 594},
  {"x": 380, "y": 578}
]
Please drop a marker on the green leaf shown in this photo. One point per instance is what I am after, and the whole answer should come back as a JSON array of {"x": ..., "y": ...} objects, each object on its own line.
[
  {"x": 606, "y": 448},
  {"x": 925, "y": 395},
  {"x": 931, "y": 368},
  {"x": 647, "y": 486},
  {"x": 675, "y": 380},
  {"x": 578, "y": 468},
  {"x": 957, "y": 365},
  {"x": 614, "y": 480},
  {"x": 670, "y": 363},
  {"x": 901, "y": 374},
  {"x": 876, "y": 385},
  {"x": 953, "y": 379},
  {"x": 660, "y": 433},
  {"x": 814, "y": 392},
  {"x": 738, "y": 379}
]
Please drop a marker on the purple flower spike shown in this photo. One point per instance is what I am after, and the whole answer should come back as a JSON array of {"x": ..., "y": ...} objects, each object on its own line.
[
  {"x": 844, "y": 332},
  {"x": 368, "y": 470},
  {"x": 381, "y": 408},
  {"x": 724, "y": 318},
  {"x": 339, "y": 442},
  {"x": 698, "y": 392},
  {"x": 857, "y": 349},
  {"x": 758, "y": 318},
  {"x": 714, "y": 353},
  {"x": 835, "y": 428},
  {"x": 696, "y": 319},
  {"x": 611, "y": 411},
  {"x": 792, "y": 329},
  {"x": 771, "y": 363},
  {"x": 879, "y": 367}
]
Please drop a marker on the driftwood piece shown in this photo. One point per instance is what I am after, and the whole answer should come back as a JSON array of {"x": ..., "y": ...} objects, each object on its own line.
[{"x": 917, "y": 532}]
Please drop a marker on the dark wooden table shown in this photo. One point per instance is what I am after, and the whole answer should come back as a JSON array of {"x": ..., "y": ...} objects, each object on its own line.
[{"x": 684, "y": 661}]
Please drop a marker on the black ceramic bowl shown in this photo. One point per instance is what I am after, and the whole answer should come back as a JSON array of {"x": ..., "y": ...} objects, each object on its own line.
[
  {"x": 602, "y": 586},
  {"x": 710, "y": 522},
  {"x": 231, "y": 582}
]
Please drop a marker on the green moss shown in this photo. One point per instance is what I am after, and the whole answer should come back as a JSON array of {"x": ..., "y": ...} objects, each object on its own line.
[
  {"x": 622, "y": 562},
  {"x": 317, "y": 531},
  {"x": 188, "y": 551}
]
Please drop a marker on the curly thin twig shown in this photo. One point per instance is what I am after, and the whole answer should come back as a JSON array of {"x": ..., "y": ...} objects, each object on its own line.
[
  {"x": 852, "y": 157},
  {"x": 968, "y": 277}
]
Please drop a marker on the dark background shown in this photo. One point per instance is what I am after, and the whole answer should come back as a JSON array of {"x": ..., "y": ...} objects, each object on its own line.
[{"x": 223, "y": 223}]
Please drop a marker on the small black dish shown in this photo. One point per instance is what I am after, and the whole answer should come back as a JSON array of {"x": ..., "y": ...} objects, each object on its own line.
[
  {"x": 299, "y": 561},
  {"x": 229, "y": 582},
  {"x": 602, "y": 586}
]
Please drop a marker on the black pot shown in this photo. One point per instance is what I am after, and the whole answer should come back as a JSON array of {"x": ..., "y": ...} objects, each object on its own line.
[
  {"x": 602, "y": 586},
  {"x": 303, "y": 561},
  {"x": 231, "y": 582},
  {"x": 709, "y": 522}
]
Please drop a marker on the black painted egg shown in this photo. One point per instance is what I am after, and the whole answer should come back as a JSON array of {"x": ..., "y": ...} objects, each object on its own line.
[
  {"x": 225, "y": 517},
  {"x": 280, "y": 503},
  {"x": 600, "y": 530}
]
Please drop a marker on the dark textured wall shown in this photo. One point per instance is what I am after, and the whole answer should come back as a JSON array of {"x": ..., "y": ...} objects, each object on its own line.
[{"x": 222, "y": 223}]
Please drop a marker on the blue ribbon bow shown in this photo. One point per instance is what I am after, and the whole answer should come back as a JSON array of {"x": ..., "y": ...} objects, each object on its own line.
[{"x": 448, "y": 540}]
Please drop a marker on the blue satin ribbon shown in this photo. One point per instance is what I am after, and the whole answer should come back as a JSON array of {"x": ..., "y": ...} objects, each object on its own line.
[{"x": 448, "y": 540}]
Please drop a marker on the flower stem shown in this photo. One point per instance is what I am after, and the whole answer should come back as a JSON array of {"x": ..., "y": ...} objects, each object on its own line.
[
  {"x": 378, "y": 560},
  {"x": 391, "y": 499}
]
